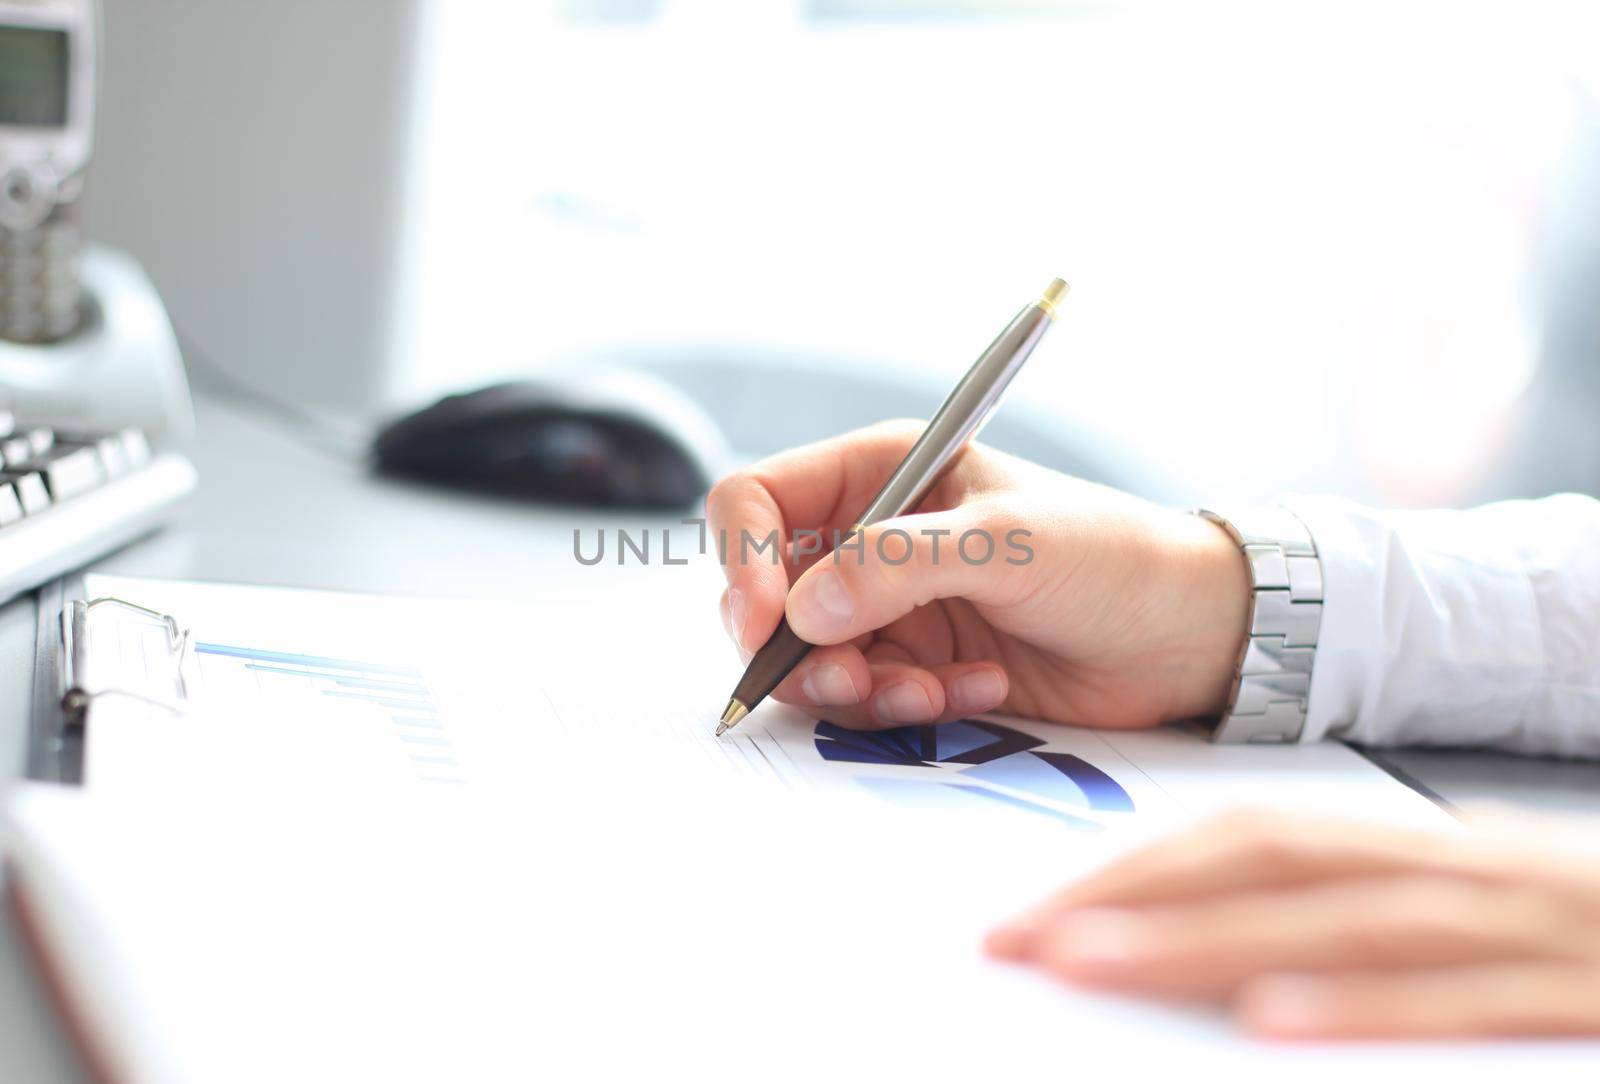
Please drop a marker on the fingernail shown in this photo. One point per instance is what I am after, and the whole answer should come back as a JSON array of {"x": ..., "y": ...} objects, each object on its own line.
[
  {"x": 1098, "y": 938},
  {"x": 977, "y": 691},
  {"x": 1014, "y": 940},
  {"x": 829, "y": 685},
  {"x": 736, "y": 614},
  {"x": 1286, "y": 1005},
  {"x": 905, "y": 702},
  {"x": 823, "y": 605}
]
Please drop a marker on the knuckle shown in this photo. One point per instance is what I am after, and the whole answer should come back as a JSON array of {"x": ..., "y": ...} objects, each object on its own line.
[
  {"x": 999, "y": 517},
  {"x": 857, "y": 568},
  {"x": 874, "y": 582},
  {"x": 1419, "y": 908},
  {"x": 1257, "y": 840},
  {"x": 1473, "y": 909},
  {"x": 725, "y": 494},
  {"x": 897, "y": 428},
  {"x": 1366, "y": 934},
  {"x": 893, "y": 434},
  {"x": 1240, "y": 823},
  {"x": 889, "y": 550}
]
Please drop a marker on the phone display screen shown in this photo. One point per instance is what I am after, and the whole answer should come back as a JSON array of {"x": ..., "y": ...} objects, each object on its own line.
[{"x": 33, "y": 76}]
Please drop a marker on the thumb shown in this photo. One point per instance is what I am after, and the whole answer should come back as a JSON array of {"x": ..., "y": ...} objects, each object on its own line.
[{"x": 885, "y": 571}]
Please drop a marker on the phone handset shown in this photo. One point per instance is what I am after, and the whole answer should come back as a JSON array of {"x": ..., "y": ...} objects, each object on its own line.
[{"x": 48, "y": 76}]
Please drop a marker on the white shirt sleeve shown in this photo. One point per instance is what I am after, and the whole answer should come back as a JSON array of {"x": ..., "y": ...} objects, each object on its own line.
[{"x": 1477, "y": 627}]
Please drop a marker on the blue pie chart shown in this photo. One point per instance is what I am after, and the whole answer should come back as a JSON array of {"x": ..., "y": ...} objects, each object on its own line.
[{"x": 974, "y": 759}]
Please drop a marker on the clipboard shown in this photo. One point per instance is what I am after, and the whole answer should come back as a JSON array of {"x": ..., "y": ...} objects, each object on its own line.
[{"x": 61, "y": 697}]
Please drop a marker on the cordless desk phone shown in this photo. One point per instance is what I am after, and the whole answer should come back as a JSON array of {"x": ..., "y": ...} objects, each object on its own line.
[
  {"x": 47, "y": 97},
  {"x": 70, "y": 494}
]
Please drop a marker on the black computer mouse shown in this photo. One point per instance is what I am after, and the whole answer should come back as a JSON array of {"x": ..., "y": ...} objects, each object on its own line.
[{"x": 615, "y": 438}]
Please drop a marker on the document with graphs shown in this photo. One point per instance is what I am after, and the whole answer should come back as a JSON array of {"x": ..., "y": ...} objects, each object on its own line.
[
  {"x": 441, "y": 695},
  {"x": 425, "y": 839}
]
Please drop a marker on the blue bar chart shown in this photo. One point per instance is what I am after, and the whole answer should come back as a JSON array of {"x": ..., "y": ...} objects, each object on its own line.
[{"x": 398, "y": 695}]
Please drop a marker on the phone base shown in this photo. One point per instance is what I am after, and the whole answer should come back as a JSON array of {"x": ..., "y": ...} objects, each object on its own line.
[{"x": 122, "y": 367}]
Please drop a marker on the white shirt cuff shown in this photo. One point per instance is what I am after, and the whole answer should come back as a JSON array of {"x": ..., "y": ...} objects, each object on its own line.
[{"x": 1429, "y": 635}]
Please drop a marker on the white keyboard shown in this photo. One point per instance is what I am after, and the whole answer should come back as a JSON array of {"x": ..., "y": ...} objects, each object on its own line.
[{"x": 67, "y": 498}]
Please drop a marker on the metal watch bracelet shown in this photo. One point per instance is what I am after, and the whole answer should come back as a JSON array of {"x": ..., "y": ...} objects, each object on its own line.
[{"x": 1272, "y": 681}]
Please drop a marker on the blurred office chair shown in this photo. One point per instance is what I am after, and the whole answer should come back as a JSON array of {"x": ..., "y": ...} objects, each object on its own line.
[
  {"x": 781, "y": 401},
  {"x": 1553, "y": 441}
]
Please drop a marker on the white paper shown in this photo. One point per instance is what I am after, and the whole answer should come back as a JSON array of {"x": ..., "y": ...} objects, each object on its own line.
[
  {"x": 577, "y": 881},
  {"x": 446, "y": 694},
  {"x": 569, "y": 937}
]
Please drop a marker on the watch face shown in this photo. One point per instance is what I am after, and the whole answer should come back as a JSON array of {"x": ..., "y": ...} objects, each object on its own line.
[{"x": 34, "y": 75}]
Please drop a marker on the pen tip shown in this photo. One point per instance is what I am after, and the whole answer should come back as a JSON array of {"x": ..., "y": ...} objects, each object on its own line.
[
  {"x": 1052, "y": 295},
  {"x": 731, "y": 716}
]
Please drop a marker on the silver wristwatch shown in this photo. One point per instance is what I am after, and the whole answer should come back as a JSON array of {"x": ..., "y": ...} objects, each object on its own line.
[{"x": 1272, "y": 682}]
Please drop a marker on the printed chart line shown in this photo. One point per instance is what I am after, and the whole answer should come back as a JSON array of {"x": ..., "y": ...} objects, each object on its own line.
[
  {"x": 322, "y": 661},
  {"x": 398, "y": 691}
]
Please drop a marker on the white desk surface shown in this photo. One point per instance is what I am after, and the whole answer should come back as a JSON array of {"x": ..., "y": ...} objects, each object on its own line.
[{"x": 271, "y": 510}]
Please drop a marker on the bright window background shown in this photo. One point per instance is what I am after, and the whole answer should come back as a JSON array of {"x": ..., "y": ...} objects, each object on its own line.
[{"x": 1300, "y": 234}]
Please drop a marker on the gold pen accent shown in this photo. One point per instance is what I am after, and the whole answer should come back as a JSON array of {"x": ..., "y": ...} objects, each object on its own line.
[
  {"x": 1052, "y": 296},
  {"x": 731, "y": 715}
]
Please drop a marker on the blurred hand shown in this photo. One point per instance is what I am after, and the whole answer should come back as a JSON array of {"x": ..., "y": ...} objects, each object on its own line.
[
  {"x": 1318, "y": 928},
  {"x": 1092, "y": 607}
]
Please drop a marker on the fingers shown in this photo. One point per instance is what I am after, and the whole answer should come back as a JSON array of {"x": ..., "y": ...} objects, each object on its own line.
[
  {"x": 1210, "y": 948},
  {"x": 751, "y": 558},
  {"x": 1262, "y": 849},
  {"x": 972, "y": 688},
  {"x": 753, "y": 513},
  {"x": 829, "y": 677},
  {"x": 891, "y": 568},
  {"x": 1508, "y": 1000},
  {"x": 884, "y": 689},
  {"x": 813, "y": 486},
  {"x": 910, "y": 696},
  {"x": 1317, "y": 928},
  {"x": 903, "y": 695},
  {"x": 1248, "y": 850}
]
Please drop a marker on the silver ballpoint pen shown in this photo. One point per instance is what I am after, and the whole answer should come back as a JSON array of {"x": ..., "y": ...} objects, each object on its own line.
[{"x": 957, "y": 422}]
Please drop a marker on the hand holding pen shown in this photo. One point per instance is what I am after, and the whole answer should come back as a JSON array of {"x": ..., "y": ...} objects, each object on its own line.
[{"x": 1104, "y": 610}]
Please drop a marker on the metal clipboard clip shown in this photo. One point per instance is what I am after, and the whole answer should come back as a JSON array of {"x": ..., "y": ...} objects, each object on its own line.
[{"x": 75, "y": 698}]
